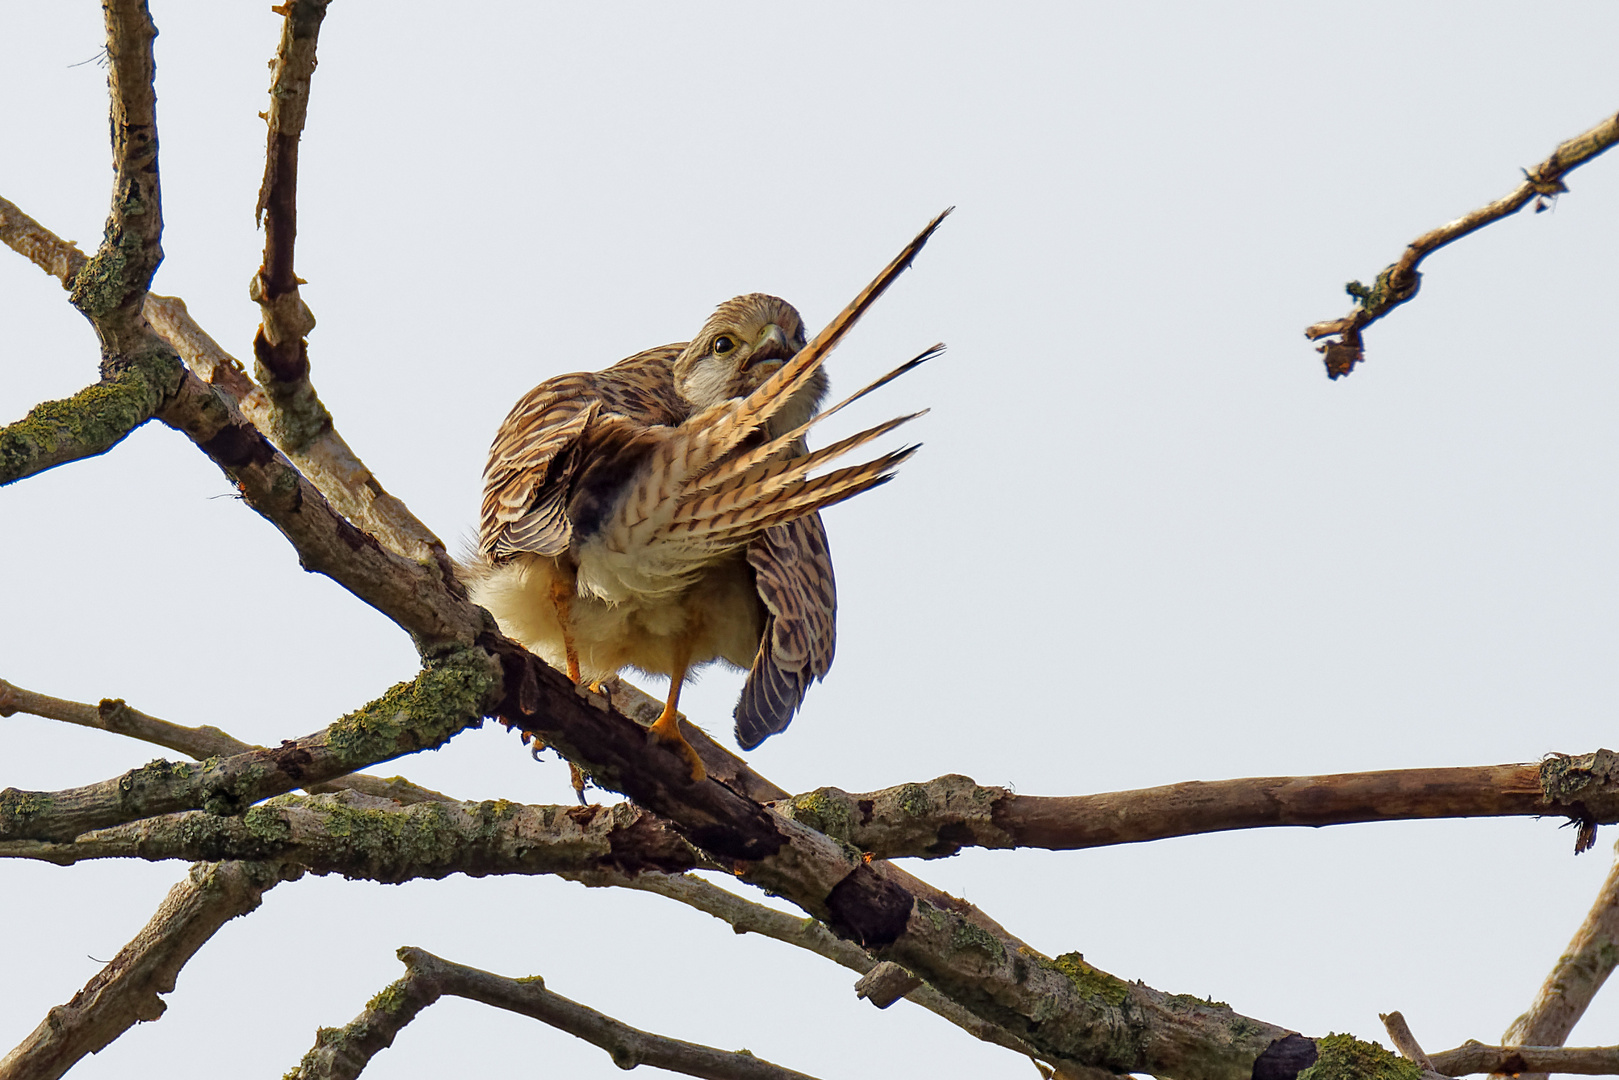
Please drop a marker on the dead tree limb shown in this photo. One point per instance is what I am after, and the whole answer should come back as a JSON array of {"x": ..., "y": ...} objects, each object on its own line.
[
  {"x": 1475, "y": 1057},
  {"x": 116, "y": 716},
  {"x": 1399, "y": 282},
  {"x": 130, "y": 988},
  {"x": 940, "y": 817}
]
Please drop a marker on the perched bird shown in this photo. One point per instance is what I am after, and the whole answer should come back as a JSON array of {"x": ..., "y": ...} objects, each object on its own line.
[{"x": 660, "y": 515}]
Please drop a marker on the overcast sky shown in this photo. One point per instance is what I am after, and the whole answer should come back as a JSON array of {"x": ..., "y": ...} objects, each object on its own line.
[{"x": 1146, "y": 540}]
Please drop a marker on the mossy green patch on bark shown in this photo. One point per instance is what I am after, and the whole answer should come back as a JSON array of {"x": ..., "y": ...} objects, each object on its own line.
[
  {"x": 389, "y": 998},
  {"x": 1092, "y": 983},
  {"x": 914, "y": 800},
  {"x": 824, "y": 812},
  {"x": 23, "y": 806},
  {"x": 451, "y": 694},
  {"x": 1344, "y": 1057}
]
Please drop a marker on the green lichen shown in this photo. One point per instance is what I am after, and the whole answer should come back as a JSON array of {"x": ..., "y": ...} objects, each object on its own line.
[
  {"x": 533, "y": 980},
  {"x": 103, "y": 284},
  {"x": 969, "y": 938},
  {"x": 452, "y": 693},
  {"x": 268, "y": 825},
  {"x": 21, "y": 806},
  {"x": 825, "y": 813},
  {"x": 1344, "y": 1057},
  {"x": 90, "y": 422},
  {"x": 388, "y": 999},
  {"x": 914, "y": 800},
  {"x": 1193, "y": 1001},
  {"x": 1092, "y": 984}
]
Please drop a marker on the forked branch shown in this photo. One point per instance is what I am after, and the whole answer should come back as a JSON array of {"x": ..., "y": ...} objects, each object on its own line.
[{"x": 340, "y": 1054}]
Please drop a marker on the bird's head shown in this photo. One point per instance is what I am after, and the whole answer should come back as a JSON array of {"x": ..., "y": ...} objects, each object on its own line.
[{"x": 742, "y": 344}]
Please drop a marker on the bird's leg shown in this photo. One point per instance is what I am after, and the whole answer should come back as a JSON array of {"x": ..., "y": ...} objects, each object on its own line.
[
  {"x": 562, "y": 600},
  {"x": 666, "y": 728}
]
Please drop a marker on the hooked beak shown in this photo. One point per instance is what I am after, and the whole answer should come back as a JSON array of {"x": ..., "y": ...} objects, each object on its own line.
[{"x": 771, "y": 345}]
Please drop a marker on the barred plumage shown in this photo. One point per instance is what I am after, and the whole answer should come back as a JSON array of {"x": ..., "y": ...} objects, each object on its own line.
[{"x": 659, "y": 514}]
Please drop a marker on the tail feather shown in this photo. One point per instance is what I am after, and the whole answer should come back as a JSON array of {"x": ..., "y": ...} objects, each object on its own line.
[
  {"x": 724, "y": 471},
  {"x": 796, "y": 500},
  {"x": 772, "y": 476}
]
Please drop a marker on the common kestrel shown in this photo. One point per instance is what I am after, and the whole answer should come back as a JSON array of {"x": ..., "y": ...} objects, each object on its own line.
[{"x": 660, "y": 515}]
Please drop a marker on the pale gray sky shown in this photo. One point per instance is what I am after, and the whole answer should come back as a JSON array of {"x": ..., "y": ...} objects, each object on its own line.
[{"x": 1146, "y": 540}]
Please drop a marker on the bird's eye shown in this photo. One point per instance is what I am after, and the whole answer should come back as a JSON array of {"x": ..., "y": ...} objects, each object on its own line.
[{"x": 723, "y": 345}]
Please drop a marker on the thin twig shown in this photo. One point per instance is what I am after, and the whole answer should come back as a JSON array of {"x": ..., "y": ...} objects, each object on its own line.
[
  {"x": 1405, "y": 1042},
  {"x": 114, "y": 715},
  {"x": 1399, "y": 283},
  {"x": 130, "y": 988},
  {"x": 1576, "y": 977}
]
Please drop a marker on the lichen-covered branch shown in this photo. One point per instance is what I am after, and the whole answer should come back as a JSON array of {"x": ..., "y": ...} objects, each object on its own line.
[
  {"x": 376, "y": 839},
  {"x": 90, "y": 422},
  {"x": 1475, "y": 1057},
  {"x": 451, "y": 694},
  {"x": 942, "y": 816},
  {"x": 343, "y": 1053},
  {"x": 116, "y": 716},
  {"x": 1574, "y": 980},
  {"x": 1399, "y": 282},
  {"x": 130, "y": 988},
  {"x": 110, "y": 288}
]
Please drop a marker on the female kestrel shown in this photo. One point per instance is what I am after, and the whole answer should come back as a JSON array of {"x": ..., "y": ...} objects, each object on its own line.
[{"x": 659, "y": 514}]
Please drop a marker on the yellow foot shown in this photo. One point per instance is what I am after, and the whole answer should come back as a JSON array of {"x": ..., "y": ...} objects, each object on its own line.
[
  {"x": 666, "y": 729},
  {"x": 577, "y": 776}
]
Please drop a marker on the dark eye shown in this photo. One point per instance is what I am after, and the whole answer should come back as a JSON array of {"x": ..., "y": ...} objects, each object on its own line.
[{"x": 723, "y": 345}]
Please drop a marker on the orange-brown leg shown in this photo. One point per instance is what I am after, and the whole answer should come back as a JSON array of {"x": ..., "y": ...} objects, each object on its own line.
[
  {"x": 562, "y": 600},
  {"x": 666, "y": 728}
]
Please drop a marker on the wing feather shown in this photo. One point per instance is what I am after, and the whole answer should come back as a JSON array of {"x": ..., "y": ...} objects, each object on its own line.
[{"x": 793, "y": 567}]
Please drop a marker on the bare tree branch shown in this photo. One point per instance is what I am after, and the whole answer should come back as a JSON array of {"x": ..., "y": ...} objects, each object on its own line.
[
  {"x": 376, "y": 839},
  {"x": 128, "y": 990},
  {"x": 59, "y": 258},
  {"x": 942, "y": 816},
  {"x": 1574, "y": 980},
  {"x": 343, "y": 1053},
  {"x": 114, "y": 715},
  {"x": 1399, "y": 282},
  {"x": 424, "y": 599},
  {"x": 627, "y": 1046},
  {"x": 1475, "y": 1057},
  {"x": 447, "y": 697},
  {"x": 110, "y": 288}
]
